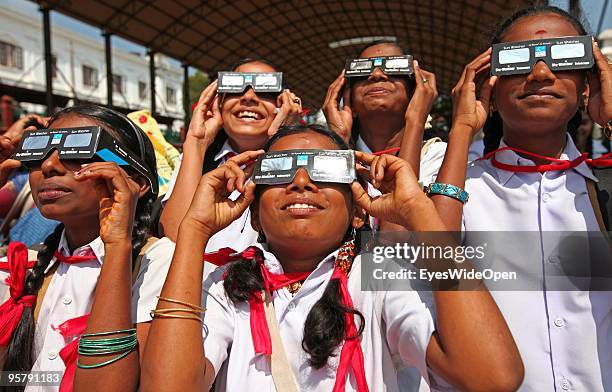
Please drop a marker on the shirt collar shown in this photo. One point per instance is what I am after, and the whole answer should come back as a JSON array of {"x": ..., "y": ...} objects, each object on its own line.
[
  {"x": 511, "y": 158},
  {"x": 274, "y": 266},
  {"x": 225, "y": 149},
  {"x": 360, "y": 145},
  {"x": 97, "y": 246}
]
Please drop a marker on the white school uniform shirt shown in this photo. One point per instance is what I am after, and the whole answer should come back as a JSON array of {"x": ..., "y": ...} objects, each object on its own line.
[
  {"x": 428, "y": 168},
  {"x": 71, "y": 293},
  {"x": 564, "y": 337},
  {"x": 409, "y": 379},
  {"x": 398, "y": 328}
]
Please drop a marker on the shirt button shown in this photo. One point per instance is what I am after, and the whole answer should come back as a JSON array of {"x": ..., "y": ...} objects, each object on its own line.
[
  {"x": 559, "y": 322},
  {"x": 565, "y": 385},
  {"x": 553, "y": 259},
  {"x": 291, "y": 306},
  {"x": 52, "y": 354},
  {"x": 66, "y": 300},
  {"x": 545, "y": 197}
]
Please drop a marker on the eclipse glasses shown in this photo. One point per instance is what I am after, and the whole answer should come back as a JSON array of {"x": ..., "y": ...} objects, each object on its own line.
[
  {"x": 560, "y": 54},
  {"x": 390, "y": 65},
  {"x": 79, "y": 143},
  {"x": 280, "y": 167},
  {"x": 260, "y": 82}
]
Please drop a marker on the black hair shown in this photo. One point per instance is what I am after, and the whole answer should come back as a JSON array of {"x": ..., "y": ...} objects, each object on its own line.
[
  {"x": 411, "y": 81},
  {"x": 324, "y": 328},
  {"x": 493, "y": 127},
  {"x": 19, "y": 355},
  {"x": 217, "y": 144}
]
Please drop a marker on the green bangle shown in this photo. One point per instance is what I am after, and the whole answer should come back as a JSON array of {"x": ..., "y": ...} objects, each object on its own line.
[
  {"x": 438, "y": 188},
  {"x": 94, "y": 347},
  {"x": 97, "y": 365}
]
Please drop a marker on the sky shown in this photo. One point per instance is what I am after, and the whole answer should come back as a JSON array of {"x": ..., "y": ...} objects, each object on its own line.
[{"x": 592, "y": 9}]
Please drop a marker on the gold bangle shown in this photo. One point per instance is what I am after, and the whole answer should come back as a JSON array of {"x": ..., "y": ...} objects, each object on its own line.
[
  {"x": 157, "y": 314},
  {"x": 176, "y": 301},
  {"x": 171, "y": 310}
]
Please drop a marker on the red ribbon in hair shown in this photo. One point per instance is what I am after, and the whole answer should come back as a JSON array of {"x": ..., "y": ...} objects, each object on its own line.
[
  {"x": 351, "y": 356},
  {"x": 72, "y": 328},
  {"x": 12, "y": 309},
  {"x": 555, "y": 164},
  {"x": 259, "y": 326}
]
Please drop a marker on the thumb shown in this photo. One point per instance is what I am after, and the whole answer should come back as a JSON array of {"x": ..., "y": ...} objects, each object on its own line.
[
  {"x": 6, "y": 169},
  {"x": 360, "y": 196},
  {"x": 486, "y": 90},
  {"x": 245, "y": 199}
]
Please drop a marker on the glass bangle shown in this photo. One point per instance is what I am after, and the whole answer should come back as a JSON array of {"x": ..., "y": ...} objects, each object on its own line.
[{"x": 438, "y": 188}]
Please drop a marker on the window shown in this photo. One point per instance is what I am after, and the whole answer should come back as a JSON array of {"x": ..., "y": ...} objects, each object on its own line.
[
  {"x": 11, "y": 55},
  {"x": 90, "y": 76},
  {"x": 142, "y": 90},
  {"x": 170, "y": 96},
  {"x": 118, "y": 84},
  {"x": 54, "y": 66}
]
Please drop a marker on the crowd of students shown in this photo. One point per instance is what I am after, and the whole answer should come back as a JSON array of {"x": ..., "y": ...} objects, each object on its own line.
[{"x": 113, "y": 308}]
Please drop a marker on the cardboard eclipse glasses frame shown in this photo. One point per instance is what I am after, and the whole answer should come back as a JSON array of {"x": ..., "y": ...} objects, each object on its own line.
[
  {"x": 260, "y": 82},
  {"x": 280, "y": 167},
  {"x": 559, "y": 54},
  {"x": 79, "y": 143},
  {"x": 389, "y": 65}
]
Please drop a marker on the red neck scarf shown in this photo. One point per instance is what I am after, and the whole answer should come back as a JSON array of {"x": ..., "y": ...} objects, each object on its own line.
[
  {"x": 89, "y": 255},
  {"x": 555, "y": 164},
  {"x": 71, "y": 329},
  {"x": 12, "y": 309},
  {"x": 351, "y": 355}
]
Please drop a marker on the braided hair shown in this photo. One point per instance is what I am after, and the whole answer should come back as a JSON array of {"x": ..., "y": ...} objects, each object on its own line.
[
  {"x": 324, "y": 329},
  {"x": 493, "y": 127},
  {"x": 19, "y": 356}
]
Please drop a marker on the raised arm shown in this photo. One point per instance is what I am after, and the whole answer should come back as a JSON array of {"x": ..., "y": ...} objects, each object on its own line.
[
  {"x": 418, "y": 109},
  {"x": 469, "y": 115},
  {"x": 9, "y": 141},
  {"x": 203, "y": 129},
  {"x": 111, "y": 309},
  {"x": 472, "y": 347},
  {"x": 174, "y": 357},
  {"x": 412, "y": 135}
]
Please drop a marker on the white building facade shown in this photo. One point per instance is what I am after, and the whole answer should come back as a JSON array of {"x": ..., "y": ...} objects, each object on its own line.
[{"x": 80, "y": 70}]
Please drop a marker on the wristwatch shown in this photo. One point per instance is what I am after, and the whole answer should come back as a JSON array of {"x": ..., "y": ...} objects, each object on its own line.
[{"x": 607, "y": 130}]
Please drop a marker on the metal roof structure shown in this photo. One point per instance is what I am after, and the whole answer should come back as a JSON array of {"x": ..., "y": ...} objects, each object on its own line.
[{"x": 308, "y": 40}]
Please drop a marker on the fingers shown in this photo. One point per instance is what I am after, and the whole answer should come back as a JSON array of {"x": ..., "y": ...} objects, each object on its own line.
[
  {"x": 246, "y": 157},
  {"x": 207, "y": 96},
  {"x": 360, "y": 196},
  {"x": 237, "y": 179},
  {"x": 601, "y": 61},
  {"x": 240, "y": 176},
  {"x": 6, "y": 169},
  {"x": 486, "y": 90},
  {"x": 216, "y": 110},
  {"x": 246, "y": 198},
  {"x": 114, "y": 177},
  {"x": 333, "y": 91},
  {"x": 289, "y": 103},
  {"x": 346, "y": 99},
  {"x": 470, "y": 69}
]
